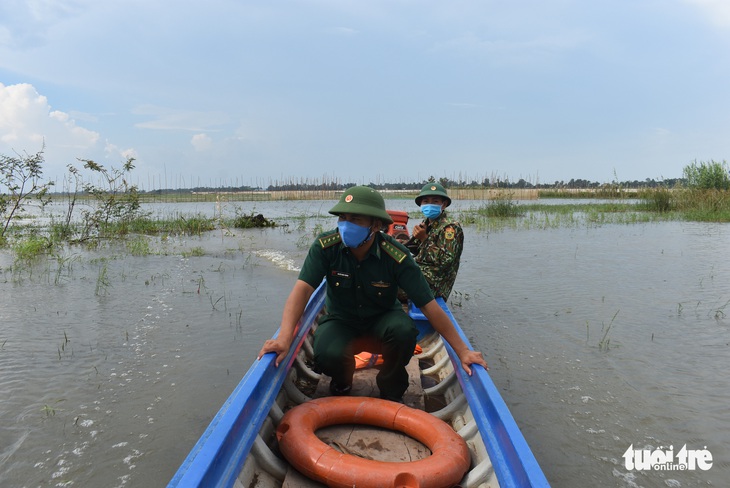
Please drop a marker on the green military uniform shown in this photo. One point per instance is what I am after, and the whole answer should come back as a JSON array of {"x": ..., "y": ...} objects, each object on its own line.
[
  {"x": 440, "y": 253},
  {"x": 361, "y": 302}
]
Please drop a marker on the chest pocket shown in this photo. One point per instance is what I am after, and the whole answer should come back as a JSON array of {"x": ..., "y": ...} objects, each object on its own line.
[
  {"x": 339, "y": 279},
  {"x": 382, "y": 292}
]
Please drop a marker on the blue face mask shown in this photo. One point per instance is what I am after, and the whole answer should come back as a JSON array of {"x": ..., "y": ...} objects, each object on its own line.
[
  {"x": 353, "y": 235},
  {"x": 431, "y": 210}
]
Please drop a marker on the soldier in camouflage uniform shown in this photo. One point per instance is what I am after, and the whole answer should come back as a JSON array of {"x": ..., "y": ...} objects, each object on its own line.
[
  {"x": 437, "y": 242},
  {"x": 363, "y": 268}
]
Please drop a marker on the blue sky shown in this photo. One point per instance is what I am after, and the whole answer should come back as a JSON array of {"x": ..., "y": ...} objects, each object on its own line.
[{"x": 262, "y": 92}]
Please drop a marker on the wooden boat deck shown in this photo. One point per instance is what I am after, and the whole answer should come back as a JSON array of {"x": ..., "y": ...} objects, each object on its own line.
[{"x": 239, "y": 447}]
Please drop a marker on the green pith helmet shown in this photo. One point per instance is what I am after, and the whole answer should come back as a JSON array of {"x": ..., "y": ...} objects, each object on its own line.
[
  {"x": 362, "y": 200},
  {"x": 433, "y": 190}
]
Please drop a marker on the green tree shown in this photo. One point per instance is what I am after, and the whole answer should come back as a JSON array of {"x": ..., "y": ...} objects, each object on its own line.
[
  {"x": 711, "y": 175},
  {"x": 114, "y": 201},
  {"x": 20, "y": 185}
]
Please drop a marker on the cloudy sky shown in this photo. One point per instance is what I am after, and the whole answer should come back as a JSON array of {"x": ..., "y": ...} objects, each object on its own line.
[{"x": 260, "y": 92}]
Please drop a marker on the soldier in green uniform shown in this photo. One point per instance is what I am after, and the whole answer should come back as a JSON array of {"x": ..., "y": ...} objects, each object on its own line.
[
  {"x": 437, "y": 242},
  {"x": 364, "y": 268}
]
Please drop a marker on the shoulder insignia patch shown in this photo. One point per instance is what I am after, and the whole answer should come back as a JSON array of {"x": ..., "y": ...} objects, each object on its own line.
[
  {"x": 393, "y": 251},
  {"x": 330, "y": 240},
  {"x": 449, "y": 233}
]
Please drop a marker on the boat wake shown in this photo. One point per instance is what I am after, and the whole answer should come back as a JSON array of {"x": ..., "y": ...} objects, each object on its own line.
[{"x": 280, "y": 259}]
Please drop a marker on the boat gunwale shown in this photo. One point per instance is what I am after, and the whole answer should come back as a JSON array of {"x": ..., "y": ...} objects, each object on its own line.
[
  {"x": 220, "y": 453},
  {"x": 513, "y": 461}
]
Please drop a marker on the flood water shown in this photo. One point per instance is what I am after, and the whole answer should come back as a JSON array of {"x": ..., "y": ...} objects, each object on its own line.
[{"x": 598, "y": 338}]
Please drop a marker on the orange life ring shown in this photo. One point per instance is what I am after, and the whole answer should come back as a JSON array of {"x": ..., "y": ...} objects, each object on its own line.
[{"x": 310, "y": 456}]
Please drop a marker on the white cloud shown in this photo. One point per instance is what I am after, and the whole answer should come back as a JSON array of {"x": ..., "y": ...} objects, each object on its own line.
[
  {"x": 526, "y": 51},
  {"x": 25, "y": 24},
  {"x": 718, "y": 11},
  {"x": 28, "y": 124},
  {"x": 346, "y": 31},
  {"x": 113, "y": 150},
  {"x": 170, "y": 119},
  {"x": 247, "y": 132},
  {"x": 26, "y": 120},
  {"x": 201, "y": 142}
]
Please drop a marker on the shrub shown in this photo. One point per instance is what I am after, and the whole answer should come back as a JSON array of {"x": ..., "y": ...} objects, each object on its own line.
[
  {"x": 711, "y": 175},
  {"x": 20, "y": 177},
  {"x": 503, "y": 207},
  {"x": 658, "y": 199},
  {"x": 114, "y": 203}
]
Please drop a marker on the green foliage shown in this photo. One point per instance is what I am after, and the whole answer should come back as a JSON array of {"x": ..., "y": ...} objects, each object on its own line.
[
  {"x": 249, "y": 221},
  {"x": 503, "y": 207},
  {"x": 20, "y": 185},
  {"x": 29, "y": 249},
  {"x": 195, "y": 225},
  {"x": 196, "y": 251},
  {"x": 192, "y": 225},
  {"x": 705, "y": 205},
  {"x": 139, "y": 246},
  {"x": 114, "y": 202},
  {"x": 711, "y": 175},
  {"x": 658, "y": 199},
  {"x": 102, "y": 281}
]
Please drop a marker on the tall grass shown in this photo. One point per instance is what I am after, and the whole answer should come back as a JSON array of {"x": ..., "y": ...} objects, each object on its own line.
[
  {"x": 660, "y": 200},
  {"x": 181, "y": 225},
  {"x": 503, "y": 208},
  {"x": 501, "y": 215},
  {"x": 693, "y": 204},
  {"x": 30, "y": 248},
  {"x": 704, "y": 205}
]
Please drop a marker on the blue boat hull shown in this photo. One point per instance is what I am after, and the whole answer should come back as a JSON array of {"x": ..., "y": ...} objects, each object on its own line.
[{"x": 218, "y": 458}]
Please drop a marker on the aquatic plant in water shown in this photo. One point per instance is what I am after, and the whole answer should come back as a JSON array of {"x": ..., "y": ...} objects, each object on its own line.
[{"x": 605, "y": 341}]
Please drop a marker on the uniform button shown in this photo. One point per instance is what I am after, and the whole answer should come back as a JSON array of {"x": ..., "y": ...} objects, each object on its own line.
[{"x": 337, "y": 284}]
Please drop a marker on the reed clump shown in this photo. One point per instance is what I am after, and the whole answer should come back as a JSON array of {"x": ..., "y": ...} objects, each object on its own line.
[
  {"x": 660, "y": 200},
  {"x": 692, "y": 204},
  {"x": 32, "y": 247},
  {"x": 180, "y": 225},
  {"x": 704, "y": 205},
  {"x": 503, "y": 208}
]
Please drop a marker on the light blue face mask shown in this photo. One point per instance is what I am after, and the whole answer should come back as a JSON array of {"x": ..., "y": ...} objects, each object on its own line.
[
  {"x": 353, "y": 235},
  {"x": 431, "y": 210}
]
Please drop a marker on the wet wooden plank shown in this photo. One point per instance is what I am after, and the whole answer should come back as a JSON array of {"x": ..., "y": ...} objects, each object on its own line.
[
  {"x": 364, "y": 384},
  {"x": 373, "y": 443},
  {"x": 365, "y": 441},
  {"x": 294, "y": 479}
]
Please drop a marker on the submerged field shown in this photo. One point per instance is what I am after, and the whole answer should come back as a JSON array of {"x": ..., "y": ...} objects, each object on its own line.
[
  {"x": 83, "y": 222},
  {"x": 117, "y": 350}
]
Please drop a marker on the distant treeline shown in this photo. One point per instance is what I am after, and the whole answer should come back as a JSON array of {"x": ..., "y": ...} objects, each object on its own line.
[{"x": 577, "y": 184}]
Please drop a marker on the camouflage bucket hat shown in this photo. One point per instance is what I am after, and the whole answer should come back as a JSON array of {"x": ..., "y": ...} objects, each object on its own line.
[
  {"x": 433, "y": 190},
  {"x": 362, "y": 200}
]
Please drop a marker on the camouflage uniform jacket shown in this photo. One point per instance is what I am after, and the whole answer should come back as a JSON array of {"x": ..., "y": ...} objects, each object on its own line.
[{"x": 438, "y": 256}]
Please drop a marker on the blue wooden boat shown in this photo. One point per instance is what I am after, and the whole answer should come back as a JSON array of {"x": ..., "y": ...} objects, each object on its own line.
[{"x": 239, "y": 447}]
